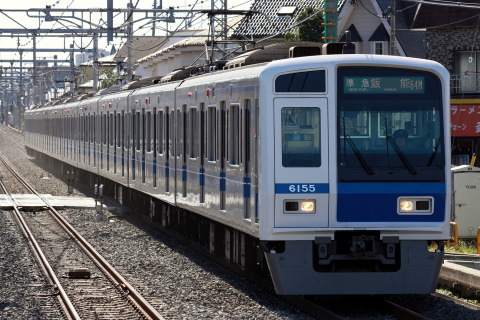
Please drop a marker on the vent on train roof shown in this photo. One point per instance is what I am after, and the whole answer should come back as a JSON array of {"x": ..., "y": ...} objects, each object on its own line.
[
  {"x": 288, "y": 50},
  {"x": 302, "y": 51}
]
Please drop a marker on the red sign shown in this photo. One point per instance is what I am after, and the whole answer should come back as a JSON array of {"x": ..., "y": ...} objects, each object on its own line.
[{"x": 465, "y": 120}]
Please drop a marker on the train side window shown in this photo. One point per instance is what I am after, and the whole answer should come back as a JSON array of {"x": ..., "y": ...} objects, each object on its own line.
[
  {"x": 137, "y": 130},
  {"x": 301, "y": 137},
  {"x": 119, "y": 132},
  {"x": 171, "y": 133},
  {"x": 202, "y": 133},
  {"x": 111, "y": 127},
  {"x": 234, "y": 135},
  {"x": 148, "y": 139},
  {"x": 310, "y": 81},
  {"x": 211, "y": 133},
  {"x": 92, "y": 128},
  {"x": 160, "y": 132},
  {"x": 246, "y": 136},
  {"x": 122, "y": 131},
  {"x": 104, "y": 128},
  {"x": 193, "y": 134},
  {"x": 154, "y": 130},
  {"x": 180, "y": 133}
]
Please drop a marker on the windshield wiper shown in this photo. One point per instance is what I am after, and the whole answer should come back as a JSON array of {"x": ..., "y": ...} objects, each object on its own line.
[
  {"x": 401, "y": 155},
  {"x": 434, "y": 153},
  {"x": 359, "y": 155}
]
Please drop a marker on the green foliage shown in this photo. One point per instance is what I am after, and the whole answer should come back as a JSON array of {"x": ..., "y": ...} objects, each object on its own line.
[
  {"x": 110, "y": 79},
  {"x": 310, "y": 30},
  {"x": 464, "y": 246}
]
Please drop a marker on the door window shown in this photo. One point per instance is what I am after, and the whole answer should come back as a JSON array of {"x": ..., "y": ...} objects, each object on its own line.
[{"x": 301, "y": 137}]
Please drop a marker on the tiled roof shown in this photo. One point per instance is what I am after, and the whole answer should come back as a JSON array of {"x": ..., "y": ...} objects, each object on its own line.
[
  {"x": 198, "y": 40},
  {"x": 433, "y": 16},
  {"x": 140, "y": 47},
  {"x": 267, "y": 22}
]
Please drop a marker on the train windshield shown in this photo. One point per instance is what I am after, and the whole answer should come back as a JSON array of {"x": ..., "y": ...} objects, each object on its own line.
[{"x": 390, "y": 125}]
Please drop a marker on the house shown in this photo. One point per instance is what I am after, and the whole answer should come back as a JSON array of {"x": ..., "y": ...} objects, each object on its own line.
[
  {"x": 192, "y": 49},
  {"x": 371, "y": 26},
  {"x": 270, "y": 20},
  {"x": 365, "y": 19},
  {"x": 85, "y": 79},
  {"x": 453, "y": 39}
]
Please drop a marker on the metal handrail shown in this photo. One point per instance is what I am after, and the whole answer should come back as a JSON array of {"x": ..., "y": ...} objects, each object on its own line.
[{"x": 468, "y": 82}]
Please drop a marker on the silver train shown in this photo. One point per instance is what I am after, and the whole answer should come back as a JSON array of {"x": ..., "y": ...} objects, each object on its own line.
[{"x": 302, "y": 157}]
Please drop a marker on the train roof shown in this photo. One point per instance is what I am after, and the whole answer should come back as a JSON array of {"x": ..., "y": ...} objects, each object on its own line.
[{"x": 255, "y": 70}]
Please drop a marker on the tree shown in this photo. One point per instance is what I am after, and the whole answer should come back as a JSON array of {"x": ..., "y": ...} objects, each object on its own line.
[
  {"x": 309, "y": 30},
  {"x": 109, "y": 79}
]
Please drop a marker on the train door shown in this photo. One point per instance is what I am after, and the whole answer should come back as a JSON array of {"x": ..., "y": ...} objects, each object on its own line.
[
  {"x": 301, "y": 162},
  {"x": 184, "y": 139},
  {"x": 202, "y": 152},
  {"x": 167, "y": 149},
  {"x": 246, "y": 159},
  {"x": 143, "y": 143},
  {"x": 223, "y": 154},
  {"x": 154, "y": 147}
]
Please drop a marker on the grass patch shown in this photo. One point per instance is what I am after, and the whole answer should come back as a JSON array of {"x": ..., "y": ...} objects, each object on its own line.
[{"x": 464, "y": 246}]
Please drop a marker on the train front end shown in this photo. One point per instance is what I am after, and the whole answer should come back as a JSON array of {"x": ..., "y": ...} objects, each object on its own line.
[{"x": 355, "y": 190}]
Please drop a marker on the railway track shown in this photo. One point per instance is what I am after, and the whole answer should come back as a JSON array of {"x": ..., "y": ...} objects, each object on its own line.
[
  {"x": 327, "y": 313},
  {"x": 88, "y": 286}
]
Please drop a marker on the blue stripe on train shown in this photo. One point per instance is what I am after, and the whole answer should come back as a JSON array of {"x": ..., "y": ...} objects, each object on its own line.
[
  {"x": 306, "y": 188},
  {"x": 378, "y": 202},
  {"x": 202, "y": 177},
  {"x": 223, "y": 181}
]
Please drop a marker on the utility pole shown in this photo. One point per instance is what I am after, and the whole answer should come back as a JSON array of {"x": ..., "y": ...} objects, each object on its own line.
[
  {"x": 393, "y": 28},
  {"x": 72, "y": 73},
  {"x": 20, "y": 91},
  {"x": 12, "y": 91},
  {"x": 95, "y": 62},
  {"x": 129, "y": 43},
  {"x": 34, "y": 39}
]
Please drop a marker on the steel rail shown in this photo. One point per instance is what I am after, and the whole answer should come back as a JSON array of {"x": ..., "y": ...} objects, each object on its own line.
[
  {"x": 65, "y": 301},
  {"x": 144, "y": 306},
  {"x": 404, "y": 313}
]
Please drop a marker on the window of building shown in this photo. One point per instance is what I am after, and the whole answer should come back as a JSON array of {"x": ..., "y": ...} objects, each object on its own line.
[
  {"x": 378, "y": 47},
  {"x": 467, "y": 67}
]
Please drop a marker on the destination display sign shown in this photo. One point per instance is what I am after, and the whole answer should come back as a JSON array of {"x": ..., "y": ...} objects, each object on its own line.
[{"x": 394, "y": 85}]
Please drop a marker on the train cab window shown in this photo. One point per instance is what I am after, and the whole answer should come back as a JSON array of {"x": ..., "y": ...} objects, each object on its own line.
[
  {"x": 301, "y": 137},
  {"x": 311, "y": 81}
]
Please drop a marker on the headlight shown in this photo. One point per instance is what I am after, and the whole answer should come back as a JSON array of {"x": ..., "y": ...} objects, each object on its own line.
[
  {"x": 406, "y": 205},
  {"x": 415, "y": 205},
  {"x": 308, "y": 206},
  {"x": 299, "y": 206}
]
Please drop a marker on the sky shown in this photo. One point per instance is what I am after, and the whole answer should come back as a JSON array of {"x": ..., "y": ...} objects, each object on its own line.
[{"x": 20, "y": 20}]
